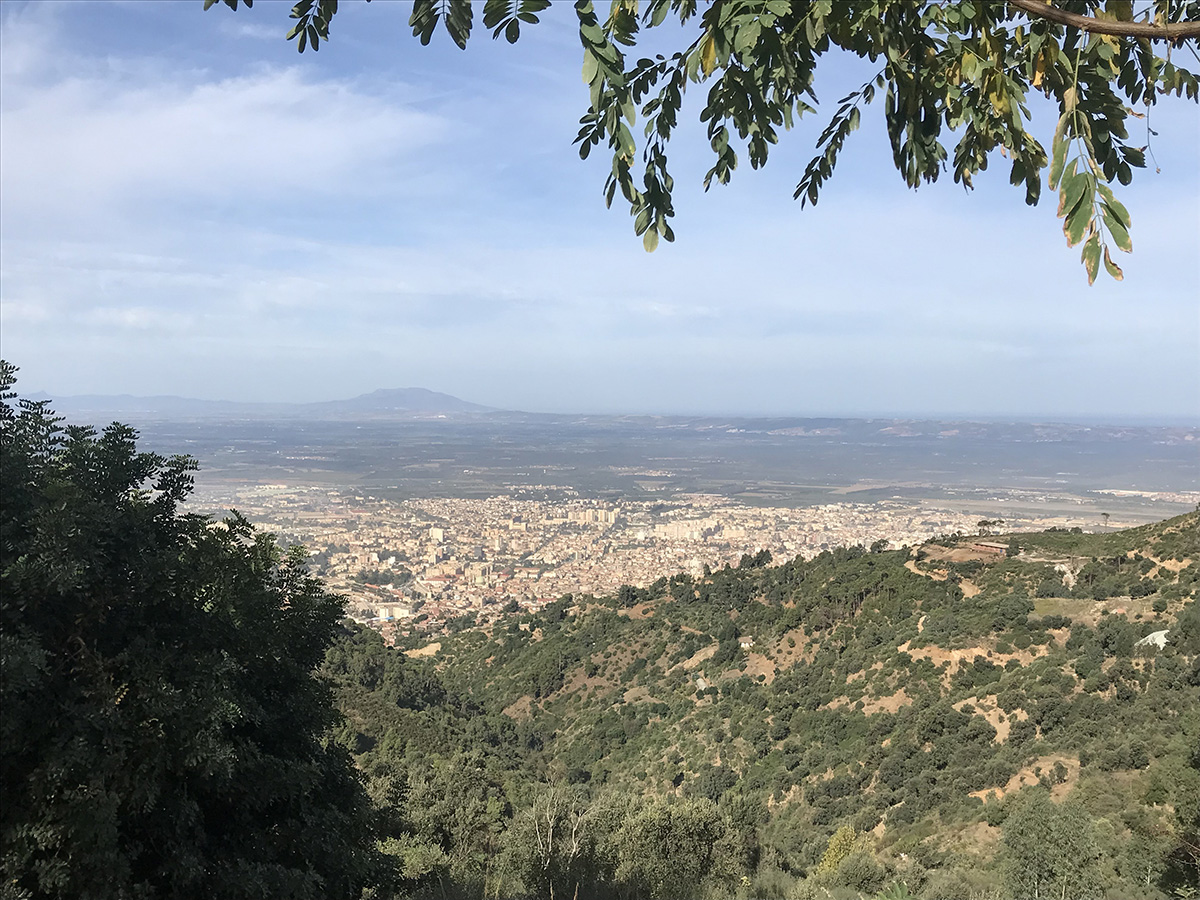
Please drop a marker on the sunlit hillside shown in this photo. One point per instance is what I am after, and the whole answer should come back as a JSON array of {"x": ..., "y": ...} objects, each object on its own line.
[{"x": 915, "y": 700}]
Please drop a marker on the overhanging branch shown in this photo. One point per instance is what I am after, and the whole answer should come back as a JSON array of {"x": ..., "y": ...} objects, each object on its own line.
[{"x": 1170, "y": 31}]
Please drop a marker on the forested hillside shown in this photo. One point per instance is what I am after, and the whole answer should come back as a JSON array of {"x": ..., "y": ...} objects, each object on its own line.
[{"x": 962, "y": 719}]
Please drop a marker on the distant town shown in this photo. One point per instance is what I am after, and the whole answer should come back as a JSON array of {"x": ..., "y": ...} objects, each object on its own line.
[
  {"x": 430, "y": 513},
  {"x": 422, "y": 565}
]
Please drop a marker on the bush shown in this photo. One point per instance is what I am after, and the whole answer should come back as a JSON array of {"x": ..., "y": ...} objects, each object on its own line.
[
  {"x": 772, "y": 883},
  {"x": 860, "y": 871},
  {"x": 956, "y": 884}
]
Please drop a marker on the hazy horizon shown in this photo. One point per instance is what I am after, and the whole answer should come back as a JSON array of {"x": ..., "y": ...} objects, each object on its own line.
[{"x": 947, "y": 415}]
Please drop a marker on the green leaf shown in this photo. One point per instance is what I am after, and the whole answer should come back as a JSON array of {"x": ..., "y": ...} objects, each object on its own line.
[
  {"x": 608, "y": 53},
  {"x": 1091, "y": 257},
  {"x": 968, "y": 67},
  {"x": 1122, "y": 10},
  {"x": 629, "y": 110},
  {"x": 458, "y": 21},
  {"x": 1079, "y": 217},
  {"x": 650, "y": 239},
  {"x": 1113, "y": 205},
  {"x": 1112, "y": 268},
  {"x": 424, "y": 20},
  {"x": 747, "y": 36},
  {"x": 512, "y": 31},
  {"x": 1135, "y": 156},
  {"x": 1074, "y": 184},
  {"x": 494, "y": 13},
  {"x": 591, "y": 33},
  {"x": 625, "y": 141},
  {"x": 1119, "y": 232},
  {"x": 591, "y": 66},
  {"x": 1059, "y": 147}
]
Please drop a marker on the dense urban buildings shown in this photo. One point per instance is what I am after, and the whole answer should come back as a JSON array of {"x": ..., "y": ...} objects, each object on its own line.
[{"x": 419, "y": 564}]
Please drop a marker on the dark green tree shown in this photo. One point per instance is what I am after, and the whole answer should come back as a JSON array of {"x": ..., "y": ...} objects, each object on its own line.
[
  {"x": 163, "y": 731},
  {"x": 1051, "y": 850},
  {"x": 1183, "y": 868},
  {"x": 667, "y": 850},
  {"x": 549, "y": 849},
  {"x": 457, "y": 806}
]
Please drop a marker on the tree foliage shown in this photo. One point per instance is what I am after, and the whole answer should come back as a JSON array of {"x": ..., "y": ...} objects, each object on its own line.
[
  {"x": 1052, "y": 850},
  {"x": 163, "y": 729},
  {"x": 668, "y": 849},
  {"x": 960, "y": 70}
]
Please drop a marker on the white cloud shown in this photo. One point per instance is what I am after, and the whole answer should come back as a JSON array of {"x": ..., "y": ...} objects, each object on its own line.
[
  {"x": 243, "y": 29},
  {"x": 91, "y": 148}
]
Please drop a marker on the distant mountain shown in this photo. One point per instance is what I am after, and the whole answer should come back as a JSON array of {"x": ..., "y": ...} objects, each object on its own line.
[
  {"x": 403, "y": 402},
  {"x": 416, "y": 403},
  {"x": 400, "y": 400}
]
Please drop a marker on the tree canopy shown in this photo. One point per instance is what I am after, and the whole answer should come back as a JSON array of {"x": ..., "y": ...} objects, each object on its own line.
[
  {"x": 960, "y": 70},
  {"x": 163, "y": 730}
]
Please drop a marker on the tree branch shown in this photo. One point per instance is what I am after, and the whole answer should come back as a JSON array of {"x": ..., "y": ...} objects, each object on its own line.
[{"x": 1172, "y": 31}]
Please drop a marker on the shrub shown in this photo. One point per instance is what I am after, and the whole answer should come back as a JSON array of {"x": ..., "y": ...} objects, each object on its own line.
[{"x": 860, "y": 871}]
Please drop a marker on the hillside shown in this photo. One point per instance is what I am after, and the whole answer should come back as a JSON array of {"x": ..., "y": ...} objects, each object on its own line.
[{"x": 901, "y": 705}]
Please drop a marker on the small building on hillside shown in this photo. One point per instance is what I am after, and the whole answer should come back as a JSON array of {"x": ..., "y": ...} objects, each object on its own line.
[{"x": 994, "y": 548}]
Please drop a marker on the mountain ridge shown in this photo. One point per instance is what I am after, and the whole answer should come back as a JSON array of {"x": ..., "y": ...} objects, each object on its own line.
[
  {"x": 412, "y": 400},
  {"x": 424, "y": 403}
]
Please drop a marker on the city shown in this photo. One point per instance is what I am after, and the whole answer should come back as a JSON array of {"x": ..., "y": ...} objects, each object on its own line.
[{"x": 415, "y": 566}]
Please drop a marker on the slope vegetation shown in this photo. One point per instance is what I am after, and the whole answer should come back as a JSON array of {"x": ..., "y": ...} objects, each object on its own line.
[{"x": 908, "y": 699}]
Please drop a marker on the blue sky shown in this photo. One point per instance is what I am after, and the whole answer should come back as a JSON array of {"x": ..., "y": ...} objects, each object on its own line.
[{"x": 190, "y": 207}]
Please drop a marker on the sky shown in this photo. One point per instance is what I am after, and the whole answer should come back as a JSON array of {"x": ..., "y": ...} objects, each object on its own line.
[{"x": 190, "y": 207}]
